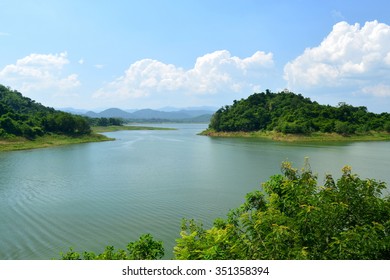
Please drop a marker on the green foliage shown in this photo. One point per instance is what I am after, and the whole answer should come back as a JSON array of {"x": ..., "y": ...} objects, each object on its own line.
[
  {"x": 144, "y": 249},
  {"x": 105, "y": 121},
  {"x": 293, "y": 218},
  {"x": 293, "y": 114},
  {"x": 296, "y": 219},
  {"x": 387, "y": 126},
  {"x": 21, "y": 116}
]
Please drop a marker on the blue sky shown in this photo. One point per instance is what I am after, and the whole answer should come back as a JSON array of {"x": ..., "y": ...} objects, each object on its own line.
[{"x": 151, "y": 54}]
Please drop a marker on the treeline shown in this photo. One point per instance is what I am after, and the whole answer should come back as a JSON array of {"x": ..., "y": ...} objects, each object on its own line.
[
  {"x": 105, "y": 121},
  {"x": 292, "y": 113},
  {"x": 21, "y": 116},
  {"x": 292, "y": 218}
]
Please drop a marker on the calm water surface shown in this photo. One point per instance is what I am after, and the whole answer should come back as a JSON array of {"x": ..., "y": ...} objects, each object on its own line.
[{"x": 91, "y": 195}]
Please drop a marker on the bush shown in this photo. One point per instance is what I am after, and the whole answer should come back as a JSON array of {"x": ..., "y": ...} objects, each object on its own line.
[
  {"x": 296, "y": 219},
  {"x": 293, "y": 218},
  {"x": 344, "y": 128},
  {"x": 144, "y": 249},
  {"x": 387, "y": 127}
]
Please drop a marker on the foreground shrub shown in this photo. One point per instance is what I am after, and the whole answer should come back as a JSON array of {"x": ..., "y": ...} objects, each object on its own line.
[
  {"x": 144, "y": 249},
  {"x": 296, "y": 219}
]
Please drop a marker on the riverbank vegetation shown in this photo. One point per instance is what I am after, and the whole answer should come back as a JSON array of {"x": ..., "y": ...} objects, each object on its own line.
[
  {"x": 304, "y": 138},
  {"x": 292, "y": 217},
  {"x": 26, "y": 124},
  {"x": 22, "y": 117},
  {"x": 48, "y": 140},
  {"x": 146, "y": 248},
  {"x": 286, "y": 113}
]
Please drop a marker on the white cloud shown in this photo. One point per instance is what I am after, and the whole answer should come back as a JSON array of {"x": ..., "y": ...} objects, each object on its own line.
[
  {"x": 379, "y": 90},
  {"x": 214, "y": 73},
  {"x": 37, "y": 72},
  {"x": 352, "y": 58}
]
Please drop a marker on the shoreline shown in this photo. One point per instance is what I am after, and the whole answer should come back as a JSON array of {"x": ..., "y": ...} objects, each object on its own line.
[
  {"x": 314, "y": 137},
  {"x": 113, "y": 128},
  {"x": 56, "y": 140},
  {"x": 47, "y": 141}
]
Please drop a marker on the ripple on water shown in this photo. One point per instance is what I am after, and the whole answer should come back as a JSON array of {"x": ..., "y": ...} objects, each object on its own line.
[{"x": 93, "y": 195}]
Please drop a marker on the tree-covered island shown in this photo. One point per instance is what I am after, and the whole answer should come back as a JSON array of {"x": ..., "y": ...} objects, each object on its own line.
[
  {"x": 289, "y": 116},
  {"x": 26, "y": 124}
]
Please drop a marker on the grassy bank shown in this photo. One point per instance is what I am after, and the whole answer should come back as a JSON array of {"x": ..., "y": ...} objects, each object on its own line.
[
  {"x": 20, "y": 143},
  {"x": 314, "y": 137}
]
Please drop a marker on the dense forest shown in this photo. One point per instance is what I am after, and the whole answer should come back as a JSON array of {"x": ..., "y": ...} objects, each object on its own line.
[
  {"x": 292, "y": 113},
  {"x": 21, "y": 116},
  {"x": 105, "y": 121}
]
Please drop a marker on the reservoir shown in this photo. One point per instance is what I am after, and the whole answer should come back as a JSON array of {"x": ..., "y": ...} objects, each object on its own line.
[{"x": 92, "y": 195}]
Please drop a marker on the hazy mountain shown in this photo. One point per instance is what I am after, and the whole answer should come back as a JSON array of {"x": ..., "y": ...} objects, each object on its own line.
[
  {"x": 194, "y": 114},
  {"x": 73, "y": 110},
  {"x": 175, "y": 115},
  {"x": 199, "y": 108},
  {"x": 113, "y": 113}
]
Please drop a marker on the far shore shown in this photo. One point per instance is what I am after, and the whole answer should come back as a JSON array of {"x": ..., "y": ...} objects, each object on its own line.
[
  {"x": 46, "y": 141},
  {"x": 54, "y": 140},
  {"x": 314, "y": 137},
  {"x": 112, "y": 128}
]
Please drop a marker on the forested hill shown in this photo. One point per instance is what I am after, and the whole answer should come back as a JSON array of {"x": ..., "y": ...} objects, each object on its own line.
[
  {"x": 21, "y": 116},
  {"x": 291, "y": 113}
]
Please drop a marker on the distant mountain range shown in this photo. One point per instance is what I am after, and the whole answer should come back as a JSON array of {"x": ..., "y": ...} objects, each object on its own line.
[{"x": 192, "y": 114}]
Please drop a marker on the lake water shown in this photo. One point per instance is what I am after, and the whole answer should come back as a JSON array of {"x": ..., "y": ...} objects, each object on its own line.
[{"x": 91, "y": 195}]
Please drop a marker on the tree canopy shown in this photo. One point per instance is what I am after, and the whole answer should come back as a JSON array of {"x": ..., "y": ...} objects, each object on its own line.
[
  {"x": 291, "y": 218},
  {"x": 296, "y": 219},
  {"x": 21, "y": 116},
  {"x": 292, "y": 113}
]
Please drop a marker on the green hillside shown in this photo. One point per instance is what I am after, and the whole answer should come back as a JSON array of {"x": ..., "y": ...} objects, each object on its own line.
[
  {"x": 22, "y": 117},
  {"x": 291, "y": 113}
]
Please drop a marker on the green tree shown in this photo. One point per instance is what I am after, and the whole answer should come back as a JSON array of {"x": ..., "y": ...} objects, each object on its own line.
[
  {"x": 292, "y": 113},
  {"x": 387, "y": 126},
  {"x": 9, "y": 125},
  {"x": 343, "y": 128},
  {"x": 81, "y": 126},
  {"x": 294, "y": 218},
  {"x": 21, "y": 116}
]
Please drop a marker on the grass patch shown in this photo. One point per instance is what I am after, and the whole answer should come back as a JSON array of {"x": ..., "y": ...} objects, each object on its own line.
[
  {"x": 20, "y": 143},
  {"x": 314, "y": 137},
  {"x": 53, "y": 140}
]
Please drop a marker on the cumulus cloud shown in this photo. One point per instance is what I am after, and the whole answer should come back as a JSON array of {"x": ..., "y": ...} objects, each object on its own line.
[
  {"x": 214, "y": 73},
  {"x": 352, "y": 58},
  {"x": 39, "y": 72},
  {"x": 380, "y": 90}
]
